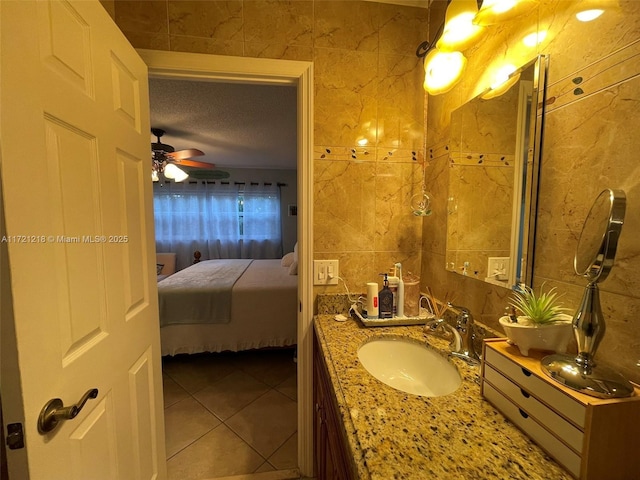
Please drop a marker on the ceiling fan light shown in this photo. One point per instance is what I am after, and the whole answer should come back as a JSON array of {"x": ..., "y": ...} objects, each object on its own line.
[
  {"x": 175, "y": 173},
  {"x": 181, "y": 176},
  {"x": 154, "y": 175}
]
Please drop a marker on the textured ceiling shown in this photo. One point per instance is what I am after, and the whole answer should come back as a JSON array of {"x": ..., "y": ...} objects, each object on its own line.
[{"x": 235, "y": 125}]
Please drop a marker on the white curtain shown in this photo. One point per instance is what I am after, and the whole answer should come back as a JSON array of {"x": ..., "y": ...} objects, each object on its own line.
[
  {"x": 262, "y": 227},
  {"x": 221, "y": 221}
]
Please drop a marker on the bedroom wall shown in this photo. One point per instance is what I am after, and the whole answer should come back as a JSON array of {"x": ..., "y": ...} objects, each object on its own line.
[
  {"x": 590, "y": 143},
  {"x": 369, "y": 108}
]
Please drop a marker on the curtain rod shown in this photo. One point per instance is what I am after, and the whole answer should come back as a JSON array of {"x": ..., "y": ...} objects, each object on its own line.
[{"x": 209, "y": 182}]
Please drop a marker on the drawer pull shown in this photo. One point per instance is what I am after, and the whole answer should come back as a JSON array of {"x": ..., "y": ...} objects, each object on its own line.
[
  {"x": 523, "y": 413},
  {"x": 526, "y": 372},
  {"x": 524, "y": 393}
]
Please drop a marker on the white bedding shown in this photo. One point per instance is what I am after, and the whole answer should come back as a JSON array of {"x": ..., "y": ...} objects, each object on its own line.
[{"x": 263, "y": 314}]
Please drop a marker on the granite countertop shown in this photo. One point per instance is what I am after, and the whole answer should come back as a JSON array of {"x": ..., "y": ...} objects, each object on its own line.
[{"x": 396, "y": 435}]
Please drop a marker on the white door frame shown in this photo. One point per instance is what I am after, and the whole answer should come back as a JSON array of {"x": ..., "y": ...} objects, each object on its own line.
[{"x": 270, "y": 71}]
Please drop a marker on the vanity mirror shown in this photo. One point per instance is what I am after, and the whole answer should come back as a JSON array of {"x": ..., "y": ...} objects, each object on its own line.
[
  {"x": 494, "y": 151},
  {"x": 594, "y": 259}
]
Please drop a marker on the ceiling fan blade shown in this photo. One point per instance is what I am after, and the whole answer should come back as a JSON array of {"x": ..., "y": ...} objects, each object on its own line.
[
  {"x": 195, "y": 164},
  {"x": 187, "y": 153}
]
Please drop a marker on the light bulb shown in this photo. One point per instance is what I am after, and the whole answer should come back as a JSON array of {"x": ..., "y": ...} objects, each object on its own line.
[
  {"x": 459, "y": 31},
  {"x": 442, "y": 71},
  {"x": 172, "y": 172},
  {"x": 496, "y": 11},
  {"x": 154, "y": 176}
]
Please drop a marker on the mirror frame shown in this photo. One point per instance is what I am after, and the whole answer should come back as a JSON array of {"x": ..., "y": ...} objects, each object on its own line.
[
  {"x": 526, "y": 184},
  {"x": 597, "y": 263},
  {"x": 540, "y": 88}
]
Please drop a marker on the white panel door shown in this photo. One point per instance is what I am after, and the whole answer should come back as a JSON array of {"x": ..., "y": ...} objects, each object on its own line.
[{"x": 77, "y": 204}]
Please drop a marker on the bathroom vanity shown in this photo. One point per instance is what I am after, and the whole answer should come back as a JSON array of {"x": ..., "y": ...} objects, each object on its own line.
[
  {"x": 366, "y": 429},
  {"x": 333, "y": 461}
]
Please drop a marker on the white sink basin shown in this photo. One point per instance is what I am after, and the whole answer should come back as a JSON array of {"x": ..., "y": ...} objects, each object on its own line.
[{"x": 408, "y": 365}]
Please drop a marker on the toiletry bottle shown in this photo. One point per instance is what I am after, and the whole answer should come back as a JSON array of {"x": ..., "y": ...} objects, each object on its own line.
[
  {"x": 385, "y": 299},
  {"x": 393, "y": 286},
  {"x": 372, "y": 300},
  {"x": 400, "y": 295}
]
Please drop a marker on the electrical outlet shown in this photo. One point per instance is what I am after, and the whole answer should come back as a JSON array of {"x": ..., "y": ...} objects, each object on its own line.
[{"x": 325, "y": 272}]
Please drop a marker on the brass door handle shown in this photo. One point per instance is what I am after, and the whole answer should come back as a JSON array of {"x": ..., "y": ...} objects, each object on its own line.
[{"x": 54, "y": 411}]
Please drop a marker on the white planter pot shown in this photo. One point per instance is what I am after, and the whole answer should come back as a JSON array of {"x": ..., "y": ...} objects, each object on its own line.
[{"x": 553, "y": 337}]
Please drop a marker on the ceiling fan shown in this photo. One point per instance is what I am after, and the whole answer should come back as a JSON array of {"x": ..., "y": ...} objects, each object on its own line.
[{"x": 165, "y": 159}]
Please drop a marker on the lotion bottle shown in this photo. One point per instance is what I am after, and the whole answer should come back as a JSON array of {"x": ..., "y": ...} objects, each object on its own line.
[
  {"x": 385, "y": 299},
  {"x": 372, "y": 300},
  {"x": 400, "y": 294}
]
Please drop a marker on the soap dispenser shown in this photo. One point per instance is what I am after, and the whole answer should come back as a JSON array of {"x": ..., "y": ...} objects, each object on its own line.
[{"x": 385, "y": 299}]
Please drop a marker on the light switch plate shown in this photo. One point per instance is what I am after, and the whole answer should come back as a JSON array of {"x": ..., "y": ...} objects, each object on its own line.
[
  {"x": 498, "y": 267},
  {"x": 325, "y": 272}
]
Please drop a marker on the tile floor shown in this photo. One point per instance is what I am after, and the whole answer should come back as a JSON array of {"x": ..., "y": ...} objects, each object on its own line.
[{"x": 230, "y": 413}]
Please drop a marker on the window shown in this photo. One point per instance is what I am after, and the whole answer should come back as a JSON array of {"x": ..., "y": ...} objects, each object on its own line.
[{"x": 221, "y": 221}]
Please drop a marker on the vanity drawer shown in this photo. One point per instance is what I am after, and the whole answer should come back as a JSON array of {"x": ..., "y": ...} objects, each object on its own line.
[
  {"x": 549, "y": 442},
  {"x": 593, "y": 438},
  {"x": 562, "y": 403},
  {"x": 560, "y": 427}
]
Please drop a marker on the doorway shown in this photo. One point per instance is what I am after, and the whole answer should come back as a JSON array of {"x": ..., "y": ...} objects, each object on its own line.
[{"x": 272, "y": 72}]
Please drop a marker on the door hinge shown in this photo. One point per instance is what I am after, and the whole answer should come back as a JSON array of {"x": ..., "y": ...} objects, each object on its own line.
[{"x": 15, "y": 436}]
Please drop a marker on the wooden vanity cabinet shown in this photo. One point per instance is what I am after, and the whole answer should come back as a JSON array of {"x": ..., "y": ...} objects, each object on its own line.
[
  {"x": 593, "y": 438},
  {"x": 332, "y": 459}
]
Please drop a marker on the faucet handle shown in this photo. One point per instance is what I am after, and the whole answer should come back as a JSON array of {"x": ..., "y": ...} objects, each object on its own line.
[
  {"x": 465, "y": 317},
  {"x": 458, "y": 307}
]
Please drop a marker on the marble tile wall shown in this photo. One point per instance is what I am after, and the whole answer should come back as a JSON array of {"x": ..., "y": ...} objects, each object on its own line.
[
  {"x": 369, "y": 108},
  {"x": 590, "y": 143}
]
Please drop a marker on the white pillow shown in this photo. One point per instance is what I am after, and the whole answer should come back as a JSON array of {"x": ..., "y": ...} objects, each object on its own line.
[
  {"x": 293, "y": 268},
  {"x": 288, "y": 259},
  {"x": 295, "y": 252}
]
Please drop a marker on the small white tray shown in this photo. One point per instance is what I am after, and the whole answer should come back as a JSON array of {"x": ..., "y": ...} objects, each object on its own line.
[{"x": 423, "y": 318}]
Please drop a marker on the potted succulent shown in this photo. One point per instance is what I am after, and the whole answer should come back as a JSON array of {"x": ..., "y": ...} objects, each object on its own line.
[{"x": 542, "y": 323}]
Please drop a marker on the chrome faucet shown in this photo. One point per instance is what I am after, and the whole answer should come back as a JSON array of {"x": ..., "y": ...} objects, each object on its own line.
[
  {"x": 465, "y": 330},
  {"x": 438, "y": 327}
]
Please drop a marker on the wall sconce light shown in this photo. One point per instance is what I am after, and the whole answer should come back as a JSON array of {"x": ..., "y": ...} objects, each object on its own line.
[
  {"x": 495, "y": 11},
  {"x": 459, "y": 31},
  {"x": 443, "y": 70}
]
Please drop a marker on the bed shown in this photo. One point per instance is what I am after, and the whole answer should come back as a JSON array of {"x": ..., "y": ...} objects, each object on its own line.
[{"x": 219, "y": 305}]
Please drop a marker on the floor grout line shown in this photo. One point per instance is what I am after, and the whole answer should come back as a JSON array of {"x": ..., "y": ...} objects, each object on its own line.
[
  {"x": 194, "y": 441},
  {"x": 236, "y": 369}
]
